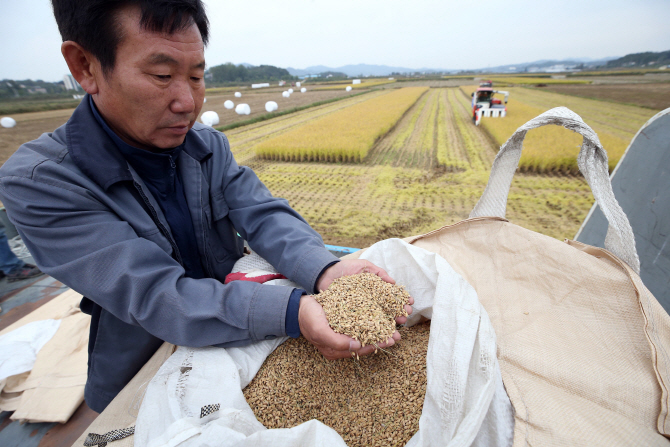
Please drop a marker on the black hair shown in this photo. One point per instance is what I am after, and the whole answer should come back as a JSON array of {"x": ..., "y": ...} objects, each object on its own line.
[{"x": 93, "y": 24}]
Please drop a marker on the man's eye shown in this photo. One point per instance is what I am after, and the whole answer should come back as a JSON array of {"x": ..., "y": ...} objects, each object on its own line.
[
  {"x": 163, "y": 77},
  {"x": 194, "y": 79}
]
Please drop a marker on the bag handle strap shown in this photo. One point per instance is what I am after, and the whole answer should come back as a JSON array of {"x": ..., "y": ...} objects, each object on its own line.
[{"x": 592, "y": 162}]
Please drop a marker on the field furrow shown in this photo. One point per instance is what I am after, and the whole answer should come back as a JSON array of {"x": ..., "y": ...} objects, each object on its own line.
[
  {"x": 387, "y": 150},
  {"x": 470, "y": 137},
  {"x": 417, "y": 150},
  {"x": 450, "y": 153}
]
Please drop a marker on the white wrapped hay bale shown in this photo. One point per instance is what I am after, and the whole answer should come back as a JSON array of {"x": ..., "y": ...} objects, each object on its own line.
[
  {"x": 271, "y": 106},
  {"x": 303, "y": 90},
  {"x": 348, "y": 88},
  {"x": 210, "y": 118},
  {"x": 7, "y": 122},
  {"x": 356, "y": 81},
  {"x": 290, "y": 90},
  {"x": 229, "y": 104},
  {"x": 238, "y": 94},
  {"x": 261, "y": 85},
  {"x": 286, "y": 94},
  {"x": 297, "y": 84},
  {"x": 243, "y": 109}
]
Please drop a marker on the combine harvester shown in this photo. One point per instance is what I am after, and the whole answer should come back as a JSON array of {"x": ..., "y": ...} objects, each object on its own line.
[{"x": 484, "y": 104}]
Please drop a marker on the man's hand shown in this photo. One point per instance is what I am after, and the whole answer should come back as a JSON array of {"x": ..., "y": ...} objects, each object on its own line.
[
  {"x": 348, "y": 267},
  {"x": 315, "y": 328}
]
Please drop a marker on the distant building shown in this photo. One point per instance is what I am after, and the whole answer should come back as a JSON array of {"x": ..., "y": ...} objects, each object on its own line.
[{"x": 71, "y": 83}]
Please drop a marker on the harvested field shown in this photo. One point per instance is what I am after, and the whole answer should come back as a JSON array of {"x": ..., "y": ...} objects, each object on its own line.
[
  {"x": 257, "y": 99},
  {"x": 527, "y": 80},
  {"x": 374, "y": 401},
  {"x": 347, "y": 135},
  {"x": 362, "y": 85},
  {"x": 28, "y": 127},
  {"x": 652, "y": 95}
]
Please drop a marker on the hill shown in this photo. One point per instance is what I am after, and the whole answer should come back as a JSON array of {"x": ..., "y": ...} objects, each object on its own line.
[{"x": 647, "y": 59}]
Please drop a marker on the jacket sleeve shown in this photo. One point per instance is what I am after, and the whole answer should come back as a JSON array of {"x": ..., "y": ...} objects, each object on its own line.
[
  {"x": 272, "y": 228},
  {"x": 82, "y": 242}
]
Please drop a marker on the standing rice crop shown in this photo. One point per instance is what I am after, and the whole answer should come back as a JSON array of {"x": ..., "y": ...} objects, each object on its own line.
[
  {"x": 346, "y": 135},
  {"x": 554, "y": 148}
]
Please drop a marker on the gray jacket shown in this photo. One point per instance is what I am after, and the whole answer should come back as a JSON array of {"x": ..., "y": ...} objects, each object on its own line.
[{"x": 90, "y": 222}]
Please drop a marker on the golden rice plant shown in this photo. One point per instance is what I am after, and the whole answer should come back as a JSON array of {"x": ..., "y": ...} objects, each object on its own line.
[
  {"x": 554, "y": 148},
  {"x": 346, "y": 135}
]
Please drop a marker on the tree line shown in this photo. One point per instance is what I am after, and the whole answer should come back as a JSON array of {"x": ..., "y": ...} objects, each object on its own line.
[{"x": 229, "y": 72}]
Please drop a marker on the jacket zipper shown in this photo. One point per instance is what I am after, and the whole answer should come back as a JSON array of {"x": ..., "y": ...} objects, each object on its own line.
[{"x": 158, "y": 223}]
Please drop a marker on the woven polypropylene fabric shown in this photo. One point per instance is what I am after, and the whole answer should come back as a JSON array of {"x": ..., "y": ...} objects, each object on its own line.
[
  {"x": 122, "y": 411},
  {"x": 94, "y": 439},
  {"x": 252, "y": 262},
  {"x": 583, "y": 347},
  {"x": 592, "y": 162}
]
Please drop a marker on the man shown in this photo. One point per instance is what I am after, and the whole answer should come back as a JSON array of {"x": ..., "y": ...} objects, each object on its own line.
[
  {"x": 137, "y": 207},
  {"x": 11, "y": 267}
]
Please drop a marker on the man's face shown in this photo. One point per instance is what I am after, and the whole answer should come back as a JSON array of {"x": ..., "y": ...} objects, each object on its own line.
[{"x": 156, "y": 89}]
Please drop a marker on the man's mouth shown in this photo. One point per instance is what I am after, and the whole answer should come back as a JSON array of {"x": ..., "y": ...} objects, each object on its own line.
[{"x": 179, "y": 129}]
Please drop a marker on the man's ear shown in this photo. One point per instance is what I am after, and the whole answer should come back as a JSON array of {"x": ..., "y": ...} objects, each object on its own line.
[{"x": 84, "y": 67}]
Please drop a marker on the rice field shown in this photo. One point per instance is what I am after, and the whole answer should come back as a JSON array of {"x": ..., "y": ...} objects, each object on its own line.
[
  {"x": 553, "y": 149},
  {"x": 362, "y": 85},
  {"x": 345, "y": 136},
  {"x": 429, "y": 170},
  {"x": 523, "y": 80}
]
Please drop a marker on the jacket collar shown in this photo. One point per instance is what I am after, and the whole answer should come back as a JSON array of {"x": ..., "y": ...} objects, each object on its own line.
[{"x": 96, "y": 154}]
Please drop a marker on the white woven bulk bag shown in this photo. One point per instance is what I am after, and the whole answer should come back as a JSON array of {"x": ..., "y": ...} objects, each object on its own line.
[
  {"x": 297, "y": 84},
  {"x": 465, "y": 404},
  {"x": 229, "y": 104}
]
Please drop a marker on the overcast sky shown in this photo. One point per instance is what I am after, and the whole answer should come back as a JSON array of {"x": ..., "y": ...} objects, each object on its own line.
[{"x": 445, "y": 34}]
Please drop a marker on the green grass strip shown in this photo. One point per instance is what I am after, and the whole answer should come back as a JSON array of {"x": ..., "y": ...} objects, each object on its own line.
[{"x": 271, "y": 115}]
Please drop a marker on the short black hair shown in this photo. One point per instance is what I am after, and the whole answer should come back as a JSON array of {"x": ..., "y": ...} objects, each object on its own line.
[{"x": 93, "y": 23}]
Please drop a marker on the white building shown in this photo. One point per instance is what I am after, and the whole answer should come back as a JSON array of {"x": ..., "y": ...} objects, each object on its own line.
[{"x": 71, "y": 83}]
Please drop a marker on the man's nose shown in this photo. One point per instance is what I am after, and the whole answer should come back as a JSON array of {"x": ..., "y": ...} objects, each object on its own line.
[{"x": 183, "y": 100}]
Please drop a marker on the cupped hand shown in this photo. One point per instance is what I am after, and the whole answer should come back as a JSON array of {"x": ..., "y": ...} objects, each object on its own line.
[
  {"x": 315, "y": 328},
  {"x": 348, "y": 267}
]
